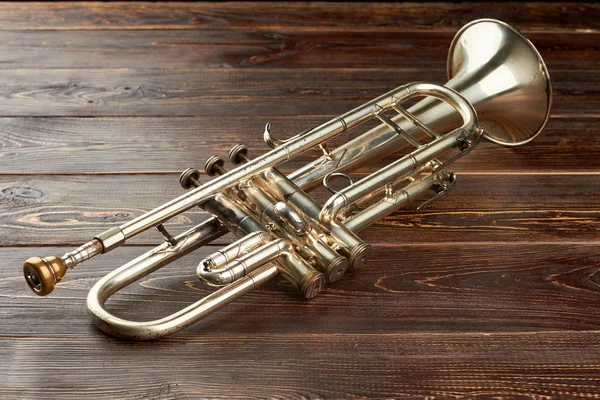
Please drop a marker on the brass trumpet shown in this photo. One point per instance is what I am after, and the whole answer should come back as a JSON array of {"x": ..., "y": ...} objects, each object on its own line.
[{"x": 499, "y": 88}]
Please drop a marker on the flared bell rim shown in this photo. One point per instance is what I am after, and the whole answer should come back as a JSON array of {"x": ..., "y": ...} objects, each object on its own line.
[{"x": 451, "y": 73}]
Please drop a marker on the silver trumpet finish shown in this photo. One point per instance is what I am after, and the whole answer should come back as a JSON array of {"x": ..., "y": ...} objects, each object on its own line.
[{"x": 499, "y": 88}]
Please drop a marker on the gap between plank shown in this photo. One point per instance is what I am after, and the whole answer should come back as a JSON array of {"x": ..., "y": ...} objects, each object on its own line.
[
  {"x": 176, "y": 173},
  {"x": 399, "y": 244},
  {"x": 200, "y": 337},
  {"x": 280, "y": 28}
]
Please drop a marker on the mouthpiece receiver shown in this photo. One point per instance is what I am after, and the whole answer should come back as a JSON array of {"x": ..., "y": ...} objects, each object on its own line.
[{"x": 42, "y": 274}]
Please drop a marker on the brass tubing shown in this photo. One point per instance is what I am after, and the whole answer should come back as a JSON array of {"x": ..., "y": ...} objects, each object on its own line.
[
  {"x": 234, "y": 217},
  {"x": 336, "y": 262},
  {"x": 144, "y": 265},
  {"x": 242, "y": 265},
  {"x": 42, "y": 274},
  {"x": 281, "y": 252},
  {"x": 388, "y": 205},
  {"x": 307, "y": 279},
  {"x": 292, "y": 148},
  {"x": 349, "y": 245},
  {"x": 149, "y": 330},
  {"x": 495, "y": 68},
  {"x": 212, "y": 269},
  {"x": 388, "y": 174},
  {"x": 284, "y": 189},
  {"x": 372, "y": 145},
  {"x": 309, "y": 246},
  {"x": 410, "y": 162}
]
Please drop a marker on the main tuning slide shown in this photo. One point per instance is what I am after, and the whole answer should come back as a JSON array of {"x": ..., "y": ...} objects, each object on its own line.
[{"x": 499, "y": 89}]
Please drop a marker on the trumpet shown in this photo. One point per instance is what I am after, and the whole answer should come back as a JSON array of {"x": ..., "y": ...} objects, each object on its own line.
[{"x": 499, "y": 88}]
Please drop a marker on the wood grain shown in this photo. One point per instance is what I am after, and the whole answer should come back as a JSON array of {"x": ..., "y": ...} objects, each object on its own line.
[
  {"x": 234, "y": 92},
  {"x": 408, "y": 289},
  {"x": 521, "y": 365},
  {"x": 422, "y": 17},
  {"x": 491, "y": 292},
  {"x": 247, "y": 49},
  {"x": 151, "y": 145},
  {"x": 52, "y": 210}
]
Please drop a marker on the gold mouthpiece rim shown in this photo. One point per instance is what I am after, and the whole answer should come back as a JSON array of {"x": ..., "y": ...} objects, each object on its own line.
[{"x": 42, "y": 274}]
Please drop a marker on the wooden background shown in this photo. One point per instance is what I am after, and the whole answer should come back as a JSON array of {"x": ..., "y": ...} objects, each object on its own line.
[{"x": 493, "y": 291}]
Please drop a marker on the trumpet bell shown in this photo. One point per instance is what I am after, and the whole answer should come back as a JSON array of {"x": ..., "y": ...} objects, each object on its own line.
[
  {"x": 498, "y": 82},
  {"x": 502, "y": 74}
]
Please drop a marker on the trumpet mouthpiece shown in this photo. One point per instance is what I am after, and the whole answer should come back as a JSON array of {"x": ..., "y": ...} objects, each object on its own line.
[{"x": 42, "y": 274}]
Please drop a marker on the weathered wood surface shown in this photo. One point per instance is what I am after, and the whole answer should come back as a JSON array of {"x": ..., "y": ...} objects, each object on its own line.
[
  {"x": 552, "y": 17},
  {"x": 152, "y": 145},
  {"x": 299, "y": 366},
  {"x": 516, "y": 287},
  {"x": 265, "y": 49},
  {"x": 492, "y": 291},
  {"x": 52, "y": 210},
  {"x": 235, "y": 92}
]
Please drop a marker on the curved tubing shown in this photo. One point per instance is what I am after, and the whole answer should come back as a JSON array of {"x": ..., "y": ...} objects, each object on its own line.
[
  {"x": 527, "y": 96},
  {"x": 213, "y": 269},
  {"x": 204, "y": 233},
  {"x": 155, "y": 329},
  {"x": 164, "y": 254},
  {"x": 243, "y": 265},
  {"x": 117, "y": 236},
  {"x": 150, "y": 262},
  {"x": 411, "y": 161}
]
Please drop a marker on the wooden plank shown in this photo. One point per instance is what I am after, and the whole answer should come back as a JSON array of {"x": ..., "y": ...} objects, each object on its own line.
[
  {"x": 491, "y": 292},
  {"x": 551, "y": 17},
  {"x": 60, "y": 145},
  {"x": 263, "y": 49},
  {"x": 71, "y": 210},
  {"x": 520, "y": 365},
  {"x": 231, "y": 92},
  {"x": 408, "y": 289}
]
